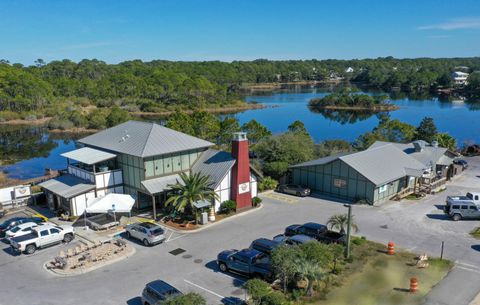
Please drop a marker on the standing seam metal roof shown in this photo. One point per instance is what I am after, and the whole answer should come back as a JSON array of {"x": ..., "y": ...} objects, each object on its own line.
[
  {"x": 383, "y": 164},
  {"x": 215, "y": 164},
  {"x": 88, "y": 155},
  {"x": 67, "y": 186},
  {"x": 143, "y": 139}
]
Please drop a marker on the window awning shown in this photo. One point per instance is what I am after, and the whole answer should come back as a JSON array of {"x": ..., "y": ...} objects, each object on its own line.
[
  {"x": 158, "y": 185},
  {"x": 88, "y": 155},
  {"x": 67, "y": 186}
]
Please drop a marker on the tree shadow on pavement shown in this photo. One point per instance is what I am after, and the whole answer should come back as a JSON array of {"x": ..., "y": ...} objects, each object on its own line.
[{"x": 237, "y": 280}]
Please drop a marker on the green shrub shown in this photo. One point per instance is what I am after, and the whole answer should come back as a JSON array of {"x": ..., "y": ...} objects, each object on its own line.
[
  {"x": 267, "y": 183},
  {"x": 58, "y": 123},
  {"x": 257, "y": 290},
  {"x": 9, "y": 115},
  {"x": 275, "y": 169},
  {"x": 187, "y": 299},
  {"x": 256, "y": 201},
  {"x": 228, "y": 206},
  {"x": 274, "y": 298}
]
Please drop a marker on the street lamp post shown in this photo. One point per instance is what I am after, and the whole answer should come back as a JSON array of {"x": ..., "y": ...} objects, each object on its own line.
[{"x": 349, "y": 224}]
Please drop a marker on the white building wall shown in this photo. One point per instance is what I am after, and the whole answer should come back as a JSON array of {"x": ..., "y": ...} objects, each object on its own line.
[
  {"x": 253, "y": 185},
  {"x": 79, "y": 203},
  {"x": 223, "y": 190}
]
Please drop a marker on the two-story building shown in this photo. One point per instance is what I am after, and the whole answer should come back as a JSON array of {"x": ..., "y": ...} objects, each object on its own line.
[{"x": 142, "y": 159}]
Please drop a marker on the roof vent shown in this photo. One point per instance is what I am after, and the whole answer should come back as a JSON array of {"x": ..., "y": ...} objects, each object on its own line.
[{"x": 419, "y": 145}]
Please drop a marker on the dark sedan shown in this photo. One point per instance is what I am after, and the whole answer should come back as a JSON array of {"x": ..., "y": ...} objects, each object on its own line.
[
  {"x": 15, "y": 221},
  {"x": 294, "y": 189},
  {"x": 311, "y": 229},
  {"x": 461, "y": 162}
]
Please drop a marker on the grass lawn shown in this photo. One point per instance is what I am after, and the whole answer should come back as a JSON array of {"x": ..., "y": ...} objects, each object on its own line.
[{"x": 377, "y": 278}]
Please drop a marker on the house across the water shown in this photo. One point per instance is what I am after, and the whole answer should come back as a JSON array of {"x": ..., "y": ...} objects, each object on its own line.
[
  {"x": 384, "y": 171},
  {"x": 142, "y": 159}
]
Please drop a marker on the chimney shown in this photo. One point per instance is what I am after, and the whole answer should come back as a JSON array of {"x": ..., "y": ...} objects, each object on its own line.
[{"x": 240, "y": 190}]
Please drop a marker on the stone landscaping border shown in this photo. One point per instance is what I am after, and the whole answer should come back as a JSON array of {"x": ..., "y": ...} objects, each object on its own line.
[{"x": 81, "y": 270}]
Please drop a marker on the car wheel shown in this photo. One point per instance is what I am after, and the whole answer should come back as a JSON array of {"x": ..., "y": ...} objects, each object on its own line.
[
  {"x": 68, "y": 238},
  {"x": 223, "y": 267},
  {"x": 30, "y": 249},
  {"x": 456, "y": 217},
  {"x": 128, "y": 235},
  {"x": 146, "y": 243}
]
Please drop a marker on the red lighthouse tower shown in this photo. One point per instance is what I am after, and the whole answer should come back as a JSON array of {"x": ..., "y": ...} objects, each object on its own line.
[{"x": 241, "y": 192}]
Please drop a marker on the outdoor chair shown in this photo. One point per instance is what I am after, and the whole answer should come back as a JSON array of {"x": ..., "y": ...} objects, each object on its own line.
[
  {"x": 78, "y": 250},
  {"x": 62, "y": 254},
  {"x": 422, "y": 261},
  {"x": 69, "y": 252}
]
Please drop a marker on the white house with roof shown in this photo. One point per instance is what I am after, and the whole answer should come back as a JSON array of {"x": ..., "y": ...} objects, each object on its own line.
[
  {"x": 142, "y": 159},
  {"x": 460, "y": 78}
]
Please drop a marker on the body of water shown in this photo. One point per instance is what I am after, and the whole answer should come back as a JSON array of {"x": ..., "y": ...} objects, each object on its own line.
[{"x": 36, "y": 149}]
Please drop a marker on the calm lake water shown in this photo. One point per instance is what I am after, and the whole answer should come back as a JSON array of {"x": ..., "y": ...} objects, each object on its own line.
[{"x": 39, "y": 150}]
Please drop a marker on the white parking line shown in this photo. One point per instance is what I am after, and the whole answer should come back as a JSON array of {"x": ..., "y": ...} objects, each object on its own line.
[
  {"x": 205, "y": 289},
  {"x": 176, "y": 238}
]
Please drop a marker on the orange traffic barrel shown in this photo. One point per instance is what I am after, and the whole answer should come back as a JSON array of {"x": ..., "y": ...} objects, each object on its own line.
[
  {"x": 390, "y": 248},
  {"x": 413, "y": 285}
]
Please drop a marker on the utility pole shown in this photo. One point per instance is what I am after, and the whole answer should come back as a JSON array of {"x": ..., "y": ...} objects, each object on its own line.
[{"x": 347, "y": 252}]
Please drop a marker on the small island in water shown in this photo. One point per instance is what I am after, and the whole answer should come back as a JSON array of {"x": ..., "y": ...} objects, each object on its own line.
[{"x": 353, "y": 102}]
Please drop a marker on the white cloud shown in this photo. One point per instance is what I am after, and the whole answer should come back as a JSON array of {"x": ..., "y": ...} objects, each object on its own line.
[{"x": 454, "y": 24}]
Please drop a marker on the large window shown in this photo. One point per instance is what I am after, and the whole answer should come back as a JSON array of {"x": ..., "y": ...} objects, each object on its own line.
[{"x": 383, "y": 188}]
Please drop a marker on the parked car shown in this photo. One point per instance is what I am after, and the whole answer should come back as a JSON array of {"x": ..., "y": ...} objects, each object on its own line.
[
  {"x": 264, "y": 245},
  {"x": 463, "y": 210},
  {"x": 461, "y": 162},
  {"x": 42, "y": 236},
  {"x": 157, "y": 292},
  {"x": 310, "y": 229},
  {"x": 148, "y": 233},
  {"x": 294, "y": 189},
  {"x": 249, "y": 262},
  {"x": 470, "y": 197},
  {"x": 15, "y": 221},
  {"x": 295, "y": 240},
  {"x": 20, "y": 230}
]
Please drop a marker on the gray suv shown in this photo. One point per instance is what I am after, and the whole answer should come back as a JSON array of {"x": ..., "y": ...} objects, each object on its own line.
[
  {"x": 148, "y": 233},
  {"x": 463, "y": 210},
  {"x": 157, "y": 292}
]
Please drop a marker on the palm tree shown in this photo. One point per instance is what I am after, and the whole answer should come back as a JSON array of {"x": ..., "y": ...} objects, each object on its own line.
[
  {"x": 310, "y": 271},
  {"x": 340, "y": 222},
  {"x": 194, "y": 188}
]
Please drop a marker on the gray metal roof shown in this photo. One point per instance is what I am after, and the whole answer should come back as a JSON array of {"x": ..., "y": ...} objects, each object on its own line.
[
  {"x": 67, "y": 186},
  {"x": 322, "y": 161},
  {"x": 383, "y": 164},
  {"x": 158, "y": 185},
  {"x": 88, "y": 155},
  {"x": 215, "y": 164},
  {"x": 143, "y": 139},
  {"x": 429, "y": 155}
]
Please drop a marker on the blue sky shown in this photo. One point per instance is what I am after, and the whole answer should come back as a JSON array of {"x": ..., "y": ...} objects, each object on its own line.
[{"x": 118, "y": 30}]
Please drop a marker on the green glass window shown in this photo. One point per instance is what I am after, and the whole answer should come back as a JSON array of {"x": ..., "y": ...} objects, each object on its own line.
[
  {"x": 167, "y": 164},
  {"x": 177, "y": 164},
  {"x": 149, "y": 168},
  {"x": 185, "y": 162},
  {"x": 158, "y": 167}
]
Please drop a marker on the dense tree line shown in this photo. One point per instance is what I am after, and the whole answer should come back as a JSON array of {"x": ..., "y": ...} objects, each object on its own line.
[{"x": 159, "y": 85}]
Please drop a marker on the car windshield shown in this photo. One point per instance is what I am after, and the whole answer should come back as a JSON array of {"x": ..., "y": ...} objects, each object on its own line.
[
  {"x": 15, "y": 229},
  {"x": 157, "y": 231}
]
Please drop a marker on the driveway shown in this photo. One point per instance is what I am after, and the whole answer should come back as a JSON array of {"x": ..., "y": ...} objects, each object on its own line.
[{"x": 419, "y": 226}]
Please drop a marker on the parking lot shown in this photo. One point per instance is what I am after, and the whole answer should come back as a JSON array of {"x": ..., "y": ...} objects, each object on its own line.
[{"x": 187, "y": 261}]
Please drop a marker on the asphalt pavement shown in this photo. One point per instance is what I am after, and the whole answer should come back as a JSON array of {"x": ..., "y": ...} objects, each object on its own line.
[{"x": 419, "y": 226}]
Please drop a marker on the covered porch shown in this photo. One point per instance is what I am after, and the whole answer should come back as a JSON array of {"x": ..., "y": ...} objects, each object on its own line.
[{"x": 157, "y": 190}]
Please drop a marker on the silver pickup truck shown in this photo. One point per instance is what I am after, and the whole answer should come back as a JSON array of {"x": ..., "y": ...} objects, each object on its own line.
[
  {"x": 470, "y": 197},
  {"x": 42, "y": 236}
]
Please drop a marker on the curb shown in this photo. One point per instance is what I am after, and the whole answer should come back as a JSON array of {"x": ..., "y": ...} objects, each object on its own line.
[
  {"x": 212, "y": 224},
  {"x": 83, "y": 270}
]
